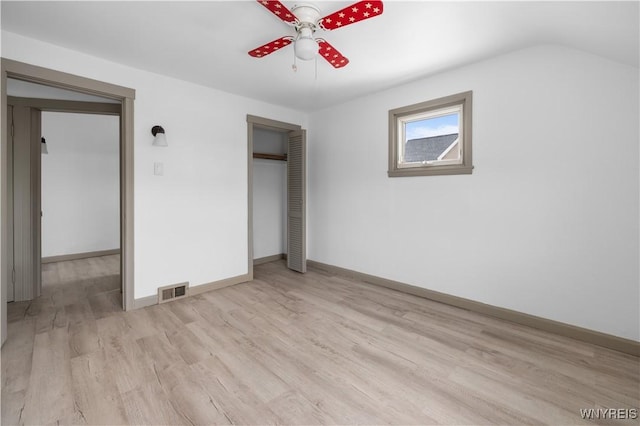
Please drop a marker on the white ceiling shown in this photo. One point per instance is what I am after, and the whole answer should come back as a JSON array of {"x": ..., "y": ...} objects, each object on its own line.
[{"x": 207, "y": 42}]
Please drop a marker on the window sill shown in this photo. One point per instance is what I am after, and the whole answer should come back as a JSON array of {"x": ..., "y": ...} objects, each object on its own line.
[{"x": 431, "y": 171}]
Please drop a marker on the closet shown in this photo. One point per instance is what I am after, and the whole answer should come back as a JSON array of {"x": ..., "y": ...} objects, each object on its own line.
[{"x": 269, "y": 195}]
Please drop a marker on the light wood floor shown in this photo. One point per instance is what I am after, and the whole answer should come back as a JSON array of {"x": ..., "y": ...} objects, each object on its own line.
[{"x": 290, "y": 349}]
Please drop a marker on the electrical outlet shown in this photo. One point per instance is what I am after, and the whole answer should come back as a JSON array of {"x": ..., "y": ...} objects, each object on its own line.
[{"x": 158, "y": 169}]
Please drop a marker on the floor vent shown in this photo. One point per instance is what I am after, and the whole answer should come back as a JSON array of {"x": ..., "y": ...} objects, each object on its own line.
[{"x": 173, "y": 292}]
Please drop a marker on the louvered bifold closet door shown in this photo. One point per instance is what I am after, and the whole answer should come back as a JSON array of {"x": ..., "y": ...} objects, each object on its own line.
[{"x": 296, "y": 201}]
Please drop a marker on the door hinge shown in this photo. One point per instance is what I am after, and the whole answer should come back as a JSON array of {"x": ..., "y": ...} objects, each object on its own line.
[{"x": 13, "y": 275}]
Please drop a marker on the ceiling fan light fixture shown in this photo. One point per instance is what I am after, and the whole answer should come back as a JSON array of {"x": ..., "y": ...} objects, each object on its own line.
[{"x": 306, "y": 48}]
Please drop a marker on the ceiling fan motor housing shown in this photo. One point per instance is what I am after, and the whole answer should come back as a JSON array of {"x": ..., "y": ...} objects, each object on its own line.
[{"x": 307, "y": 14}]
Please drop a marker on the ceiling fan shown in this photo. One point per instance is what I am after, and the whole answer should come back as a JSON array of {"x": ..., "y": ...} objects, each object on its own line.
[{"x": 305, "y": 19}]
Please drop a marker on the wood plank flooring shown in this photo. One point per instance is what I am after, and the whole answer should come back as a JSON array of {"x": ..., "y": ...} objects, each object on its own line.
[{"x": 290, "y": 349}]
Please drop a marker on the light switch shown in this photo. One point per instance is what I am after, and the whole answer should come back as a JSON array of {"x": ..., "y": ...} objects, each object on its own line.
[{"x": 158, "y": 169}]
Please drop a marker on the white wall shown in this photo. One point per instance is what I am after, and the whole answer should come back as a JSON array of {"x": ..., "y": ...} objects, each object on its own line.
[
  {"x": 269, "y": 195},
  {"x": 269, "y": 198},
  {"x": 191, "y": 223},
  {"x": 80, "y": 183},
  {"x": 547, "y": 224}
]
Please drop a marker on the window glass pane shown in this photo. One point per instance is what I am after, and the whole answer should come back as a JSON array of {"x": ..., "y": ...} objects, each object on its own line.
[{"x": 431, "y": 139}]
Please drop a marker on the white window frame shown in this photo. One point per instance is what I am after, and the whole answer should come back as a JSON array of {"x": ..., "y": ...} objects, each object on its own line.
[
  {"x": 426, "y": 115},
  {"x": 398, "y": 118}
]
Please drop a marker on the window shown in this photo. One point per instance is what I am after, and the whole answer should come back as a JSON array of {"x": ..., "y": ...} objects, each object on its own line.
[{"x": 431, "y": 138}]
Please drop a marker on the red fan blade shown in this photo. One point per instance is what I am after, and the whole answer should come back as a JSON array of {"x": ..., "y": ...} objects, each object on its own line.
[
  {"x": 349, "y": 15},
  {"x": 328, "y": 52},
  {"x": 271, "y": 47},
  {"x": 279, "y": 9}
]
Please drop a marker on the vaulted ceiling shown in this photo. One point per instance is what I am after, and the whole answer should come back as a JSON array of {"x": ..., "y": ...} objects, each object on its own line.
[{"x": 207, "y": 42}]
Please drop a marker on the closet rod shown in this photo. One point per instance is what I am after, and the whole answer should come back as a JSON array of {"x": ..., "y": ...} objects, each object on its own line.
[{"x": 279, "y": 157}]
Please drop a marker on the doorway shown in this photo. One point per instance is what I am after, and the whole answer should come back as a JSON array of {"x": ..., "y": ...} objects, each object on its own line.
[
  {"x": 263, "y": 134},
  {"x": 80, "y": 186},
  {"x": 80, "y": 181},
  {"x": 123, "y": 98}
]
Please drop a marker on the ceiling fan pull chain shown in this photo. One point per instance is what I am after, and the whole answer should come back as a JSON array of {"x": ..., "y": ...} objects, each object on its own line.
[{"x": 294, "y": 67}]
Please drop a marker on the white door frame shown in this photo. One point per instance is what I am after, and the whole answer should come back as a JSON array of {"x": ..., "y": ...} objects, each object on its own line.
[
  {"x": 268, "y": 124},
  {"x": 126, "y": 96}
]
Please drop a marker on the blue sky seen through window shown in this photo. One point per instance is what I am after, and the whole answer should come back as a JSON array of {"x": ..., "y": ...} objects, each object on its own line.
[{"x": 445, "y": 125}]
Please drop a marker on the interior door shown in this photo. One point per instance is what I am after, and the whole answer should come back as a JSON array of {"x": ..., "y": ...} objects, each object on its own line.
[
  {"x": 35, "y": 160},
  {"x": 296, "y": 201},
  {"x": 25, "y": 219},
  {"x": 10, "y": 268}
]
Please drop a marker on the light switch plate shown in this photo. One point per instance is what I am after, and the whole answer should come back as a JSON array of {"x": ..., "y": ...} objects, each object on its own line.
[{"x": 158, "y": 169}]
